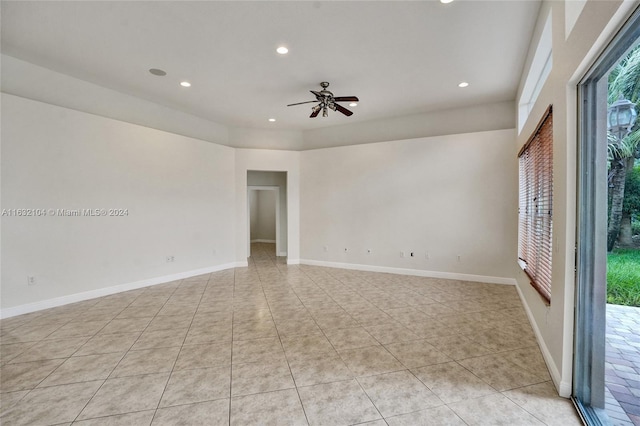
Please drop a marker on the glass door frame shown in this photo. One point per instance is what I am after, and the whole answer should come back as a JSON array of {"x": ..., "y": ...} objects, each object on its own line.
[{"x": 591, "y": 256}]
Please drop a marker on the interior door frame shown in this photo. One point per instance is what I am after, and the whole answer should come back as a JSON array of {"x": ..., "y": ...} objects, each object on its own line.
[
  {"x": 277, "y": 193},
  {"x": 591, "y": 256}
]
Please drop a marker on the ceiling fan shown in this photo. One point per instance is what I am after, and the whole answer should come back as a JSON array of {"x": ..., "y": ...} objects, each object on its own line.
[{"x": 326, "y": 101}]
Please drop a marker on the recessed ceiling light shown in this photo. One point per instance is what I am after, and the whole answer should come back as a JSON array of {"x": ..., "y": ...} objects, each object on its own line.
[
  {"x": 158, "y": 72},
  {"x": 282, "y": 50},
  {"x": 463, "y": 84},
  {"x": 272, "y": 120},
  {"x": 353, "y": 104},
  {"x": 445, "y": 1},
  {"x": 185, "y": 84}
]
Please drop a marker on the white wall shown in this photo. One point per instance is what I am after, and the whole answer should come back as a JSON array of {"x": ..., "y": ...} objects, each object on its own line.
[
  {"x": 267, "y": 215},
  {"x": 447, "y": 196},
  {"x": 263, "y": 215},
  {"x": 179, "y": 193},
  {"x": 580, "y": 32},
  {"x": 270, "y": 161},
  {"x": 253, "y": 213}
]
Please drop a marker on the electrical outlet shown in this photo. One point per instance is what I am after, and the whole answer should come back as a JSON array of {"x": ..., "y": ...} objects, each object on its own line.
[
  {"x": 171, "y": 259},
  {"x": 31, "y": 280}
]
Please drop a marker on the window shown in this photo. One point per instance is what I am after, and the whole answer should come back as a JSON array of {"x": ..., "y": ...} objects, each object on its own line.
[
  {"x": 537, "y": 74},
  {"x": 535, "y": 210}
]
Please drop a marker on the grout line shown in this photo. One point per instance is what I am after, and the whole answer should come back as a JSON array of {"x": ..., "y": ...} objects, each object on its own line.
[
  {"x": 233, "y": 313},
  {"x": 183, "y": 340},
  {"x": 280, "y": 340},
  {"x": 114, "y": 368}
]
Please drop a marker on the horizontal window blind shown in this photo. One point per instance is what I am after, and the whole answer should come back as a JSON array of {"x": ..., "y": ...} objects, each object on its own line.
[{"x": 535, "y": 210}]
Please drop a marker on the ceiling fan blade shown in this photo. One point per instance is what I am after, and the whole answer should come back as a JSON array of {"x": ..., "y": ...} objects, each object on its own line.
[
  {"x": 343, "y": 110},
  {"x": 346, "y": 99},
  {"x": 315, "y": 113},
  {"x": 300, "y": 103},
  {"x": 317, "y": 94}
]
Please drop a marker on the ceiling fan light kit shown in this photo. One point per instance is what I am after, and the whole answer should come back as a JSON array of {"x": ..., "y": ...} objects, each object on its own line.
[{"x": 326, "y": 101}]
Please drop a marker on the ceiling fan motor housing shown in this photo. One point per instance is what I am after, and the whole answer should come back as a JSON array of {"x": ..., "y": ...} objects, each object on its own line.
[{"x": 324, "y": 92}]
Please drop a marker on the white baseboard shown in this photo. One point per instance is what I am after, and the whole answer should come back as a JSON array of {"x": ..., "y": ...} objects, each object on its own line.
[
  {"x": 78, "y": 297},
  {"x": 282, "y": 254},
  {"x": 264, "y": 241},
  {"x": 563, "y": 387},
  {"x": 92, "y": 294},
  {"x": 414, "y": 272}
]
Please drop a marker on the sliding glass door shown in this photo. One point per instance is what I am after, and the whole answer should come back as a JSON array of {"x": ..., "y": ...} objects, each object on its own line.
[{"x": 591, "y": 261}]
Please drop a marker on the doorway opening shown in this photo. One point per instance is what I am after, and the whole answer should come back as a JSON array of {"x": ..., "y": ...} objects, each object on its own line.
[
  {"x": 267, "y": 210},
  {"x": 599, "y": 394}
]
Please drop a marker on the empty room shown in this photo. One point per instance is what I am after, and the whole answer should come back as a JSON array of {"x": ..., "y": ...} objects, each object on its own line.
[{"x": 304, "y": 212}]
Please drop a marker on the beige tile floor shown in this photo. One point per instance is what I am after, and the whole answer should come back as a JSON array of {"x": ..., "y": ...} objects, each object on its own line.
[{"x": 273, "y": 344}]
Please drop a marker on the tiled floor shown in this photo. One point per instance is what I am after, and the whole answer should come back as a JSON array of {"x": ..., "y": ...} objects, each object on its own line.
[
  {"x": 277, "y": 345},
  {"x": 622, "y": 367}
]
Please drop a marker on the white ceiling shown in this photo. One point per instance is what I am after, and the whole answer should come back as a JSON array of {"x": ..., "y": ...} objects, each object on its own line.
[{"x": 398, "y": 57}]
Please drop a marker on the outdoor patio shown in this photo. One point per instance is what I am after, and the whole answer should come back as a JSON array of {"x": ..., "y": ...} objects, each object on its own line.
[{"x": 622, "y": 367}]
